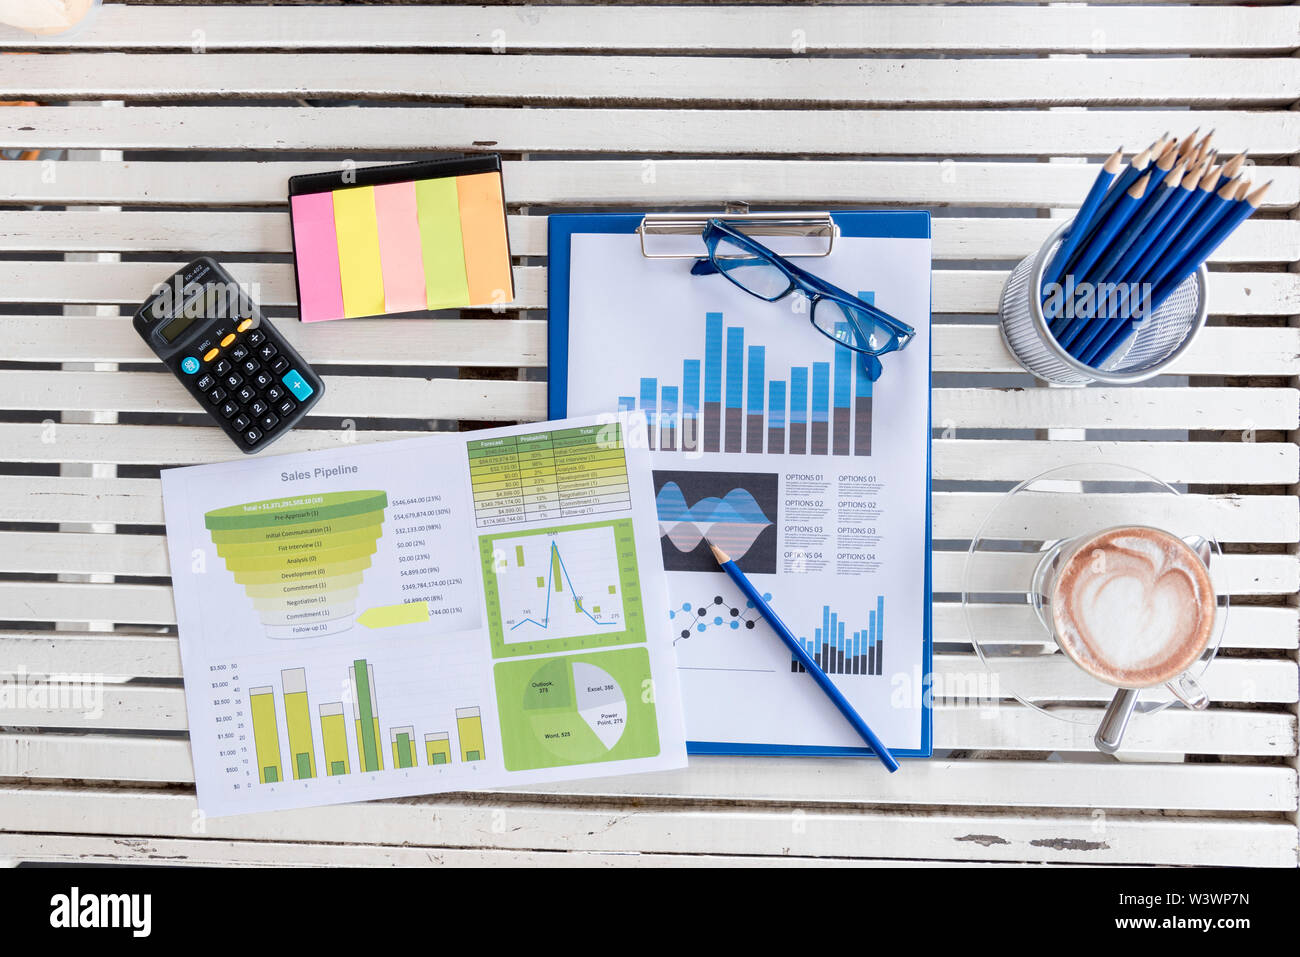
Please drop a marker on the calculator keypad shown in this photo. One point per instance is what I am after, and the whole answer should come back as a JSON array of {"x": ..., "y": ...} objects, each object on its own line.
[{"x": 250, "y": 384}]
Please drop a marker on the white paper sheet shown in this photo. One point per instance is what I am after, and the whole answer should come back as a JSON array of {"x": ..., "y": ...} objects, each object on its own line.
[
  {"x": 834, "y": 533},
  {"x": 434, "y": 614}
]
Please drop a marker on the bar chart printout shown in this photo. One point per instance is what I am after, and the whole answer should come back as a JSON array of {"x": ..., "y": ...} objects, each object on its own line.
[
  {"x": 365, "y": 714},
  {"x": 730, "y": 401},
  {"x": 266, "y": 736},
  {"x": 385, "y": 542},
  {"x": 839, "y": 651},
  {"x": 437, "y": 748},
  {"x": 334, "y": 738},
  {"x": 403, "y": 742},
  {"x": 469, "y": 727},
  {"x": 298, "y": 717}
]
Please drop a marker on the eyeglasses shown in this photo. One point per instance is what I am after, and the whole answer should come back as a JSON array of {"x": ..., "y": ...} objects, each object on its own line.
[{"x": 850, "y": 321}]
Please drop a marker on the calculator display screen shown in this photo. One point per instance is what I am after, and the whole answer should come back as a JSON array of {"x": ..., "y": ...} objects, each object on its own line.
[{"x": 178, "y": 325}]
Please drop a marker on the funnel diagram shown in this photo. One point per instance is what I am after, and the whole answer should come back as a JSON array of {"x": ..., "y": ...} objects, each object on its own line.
[{"x": 301, "y": 559}]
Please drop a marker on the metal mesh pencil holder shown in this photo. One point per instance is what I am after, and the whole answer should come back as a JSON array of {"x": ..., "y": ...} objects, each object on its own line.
[{"x": 1158, "y": 341}]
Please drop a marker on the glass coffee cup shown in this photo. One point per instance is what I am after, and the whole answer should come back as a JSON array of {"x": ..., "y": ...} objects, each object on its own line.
[{"x": 1131, "y": 605}]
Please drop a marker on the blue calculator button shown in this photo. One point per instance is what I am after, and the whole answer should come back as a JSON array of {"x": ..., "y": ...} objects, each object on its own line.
[
  {"x": 189, "y": 365},
  {"x": 297, "y": 385}
]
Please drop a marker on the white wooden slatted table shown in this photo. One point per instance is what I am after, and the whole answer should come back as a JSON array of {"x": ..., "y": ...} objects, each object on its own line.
[{"x": 183, "y": 123}]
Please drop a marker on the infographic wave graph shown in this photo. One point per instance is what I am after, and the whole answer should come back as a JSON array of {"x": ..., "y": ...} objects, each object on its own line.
[
  {"x": 732, "y": 522},
  {"x": 737, "y": 511}
]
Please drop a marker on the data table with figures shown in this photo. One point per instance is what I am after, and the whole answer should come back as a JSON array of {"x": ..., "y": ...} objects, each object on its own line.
[
  {"x": 160, "y": 132},
  {"x": 558, "y": 474}
]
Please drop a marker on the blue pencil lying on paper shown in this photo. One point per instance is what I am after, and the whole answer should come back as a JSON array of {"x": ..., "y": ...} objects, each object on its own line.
[{"x": 1141, "y": 232}]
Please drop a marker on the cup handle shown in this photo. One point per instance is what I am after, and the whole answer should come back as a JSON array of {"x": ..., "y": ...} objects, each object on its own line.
[
  {"x": 1111, "y": 730},
  {"x": 1189, "y": 691}
]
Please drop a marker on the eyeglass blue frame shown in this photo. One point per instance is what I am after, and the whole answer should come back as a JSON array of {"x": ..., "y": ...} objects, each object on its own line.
[{"x": 856, "y": 311}]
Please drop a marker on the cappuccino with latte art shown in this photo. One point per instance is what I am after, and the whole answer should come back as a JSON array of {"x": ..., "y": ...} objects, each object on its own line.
[{"x": 1132, "y": 606}]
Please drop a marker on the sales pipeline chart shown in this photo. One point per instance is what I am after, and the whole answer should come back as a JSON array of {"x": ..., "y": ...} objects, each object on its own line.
[{"x": 734, "y": 398}]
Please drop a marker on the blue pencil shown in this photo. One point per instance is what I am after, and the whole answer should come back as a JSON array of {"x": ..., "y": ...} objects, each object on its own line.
[
  {"x": 1181, "y": 208},
  {"x": 1123, "y": 252},
  {"x": 1082, "y": 222},
  {"x": 1163, "y": 207},
  {"x": 1215, "y": 208},
  {"x": 1181, "y": 243},
  {"x": 1101, "y": 239},
  {"x": 1137, "y": 166},
  {"x": 1239, "y": 211},
  {"x": 1162, "y": 167},
  {"x": 1153, "y": 203},
  {"x": 805, "y": 659}
]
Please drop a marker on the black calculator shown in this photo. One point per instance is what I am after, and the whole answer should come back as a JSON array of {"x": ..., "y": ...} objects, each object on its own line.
[{"x": 207, "y": 329}]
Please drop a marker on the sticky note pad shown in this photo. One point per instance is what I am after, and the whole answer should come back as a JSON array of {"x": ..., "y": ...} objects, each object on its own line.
[
  {"x": 320, "y": 293},
  {"x": 403, "y": 238}
]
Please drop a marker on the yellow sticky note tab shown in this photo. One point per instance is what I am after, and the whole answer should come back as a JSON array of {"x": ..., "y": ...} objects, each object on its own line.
[
  {"x": 445, "y": 285},
  {"x": 360, "y": 270}
]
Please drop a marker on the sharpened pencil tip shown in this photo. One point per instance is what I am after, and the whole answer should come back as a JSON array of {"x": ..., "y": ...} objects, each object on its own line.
[
  {"x": 1257, "y": 197},
  {"x": 719, "y": 554}
]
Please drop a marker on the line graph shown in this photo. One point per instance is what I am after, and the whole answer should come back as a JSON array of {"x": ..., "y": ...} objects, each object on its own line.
[
  {"x": 558, "y": 560},
  {"x": 718, "y": 612},
  {"x": 567, "y": 587},
  {"x": 737, "y": 511}
]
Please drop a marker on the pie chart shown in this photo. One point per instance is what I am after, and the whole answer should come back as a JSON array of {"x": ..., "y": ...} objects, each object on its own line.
[{"x": 575, "y": 710}]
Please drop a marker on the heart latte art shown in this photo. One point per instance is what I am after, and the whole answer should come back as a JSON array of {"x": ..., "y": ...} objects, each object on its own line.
[{"x": 1133, "y": 606}]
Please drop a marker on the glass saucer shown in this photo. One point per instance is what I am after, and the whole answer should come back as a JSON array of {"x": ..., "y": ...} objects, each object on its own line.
[{"x": 1003, "y": 610}]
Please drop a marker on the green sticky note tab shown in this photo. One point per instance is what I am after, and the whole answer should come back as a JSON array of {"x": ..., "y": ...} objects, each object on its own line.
[{"x": 445, "y": 284}]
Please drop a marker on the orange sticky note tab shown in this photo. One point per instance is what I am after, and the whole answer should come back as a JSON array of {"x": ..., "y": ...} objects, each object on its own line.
[
  {"x": 360, "y": 270},
  {"x": 399, "y": 247},
  {"x": 483, "y": 230}
]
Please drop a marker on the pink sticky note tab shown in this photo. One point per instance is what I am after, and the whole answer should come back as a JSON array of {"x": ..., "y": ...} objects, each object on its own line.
[
  {"x": 320, "y": 290},
  {"x": 399, "y": 247}
]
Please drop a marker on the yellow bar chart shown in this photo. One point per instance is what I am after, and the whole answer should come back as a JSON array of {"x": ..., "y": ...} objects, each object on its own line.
[
  {"x": 334, "y": 737},
  {"x": 297, "y": 717},
  {"x": 266, "y": 736},
  {"x": 469, "y": 727},
  {"x": 437, "y": 748}
]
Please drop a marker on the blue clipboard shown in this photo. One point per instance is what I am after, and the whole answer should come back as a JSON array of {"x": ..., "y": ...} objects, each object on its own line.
[{"x": 883, "y": 224}]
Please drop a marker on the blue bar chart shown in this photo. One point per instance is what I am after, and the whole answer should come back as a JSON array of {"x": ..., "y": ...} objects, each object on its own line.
[
  {"x": 729, "y": 400},
  {"x": 840, "y": 651}
]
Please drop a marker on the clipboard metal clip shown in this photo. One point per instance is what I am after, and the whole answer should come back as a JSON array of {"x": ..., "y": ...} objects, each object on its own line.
[{"x": 814, "y": 226}]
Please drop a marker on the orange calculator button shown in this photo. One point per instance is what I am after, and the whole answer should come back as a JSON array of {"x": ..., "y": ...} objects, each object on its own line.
[
  {"x": 228, "y": 340},
  {"x": 243, "y": 325},
  {"x": 210, "y": 355}
]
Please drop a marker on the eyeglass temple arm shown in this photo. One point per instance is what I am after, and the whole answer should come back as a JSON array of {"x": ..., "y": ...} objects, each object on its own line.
[{"x": 703, "y": 267}]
